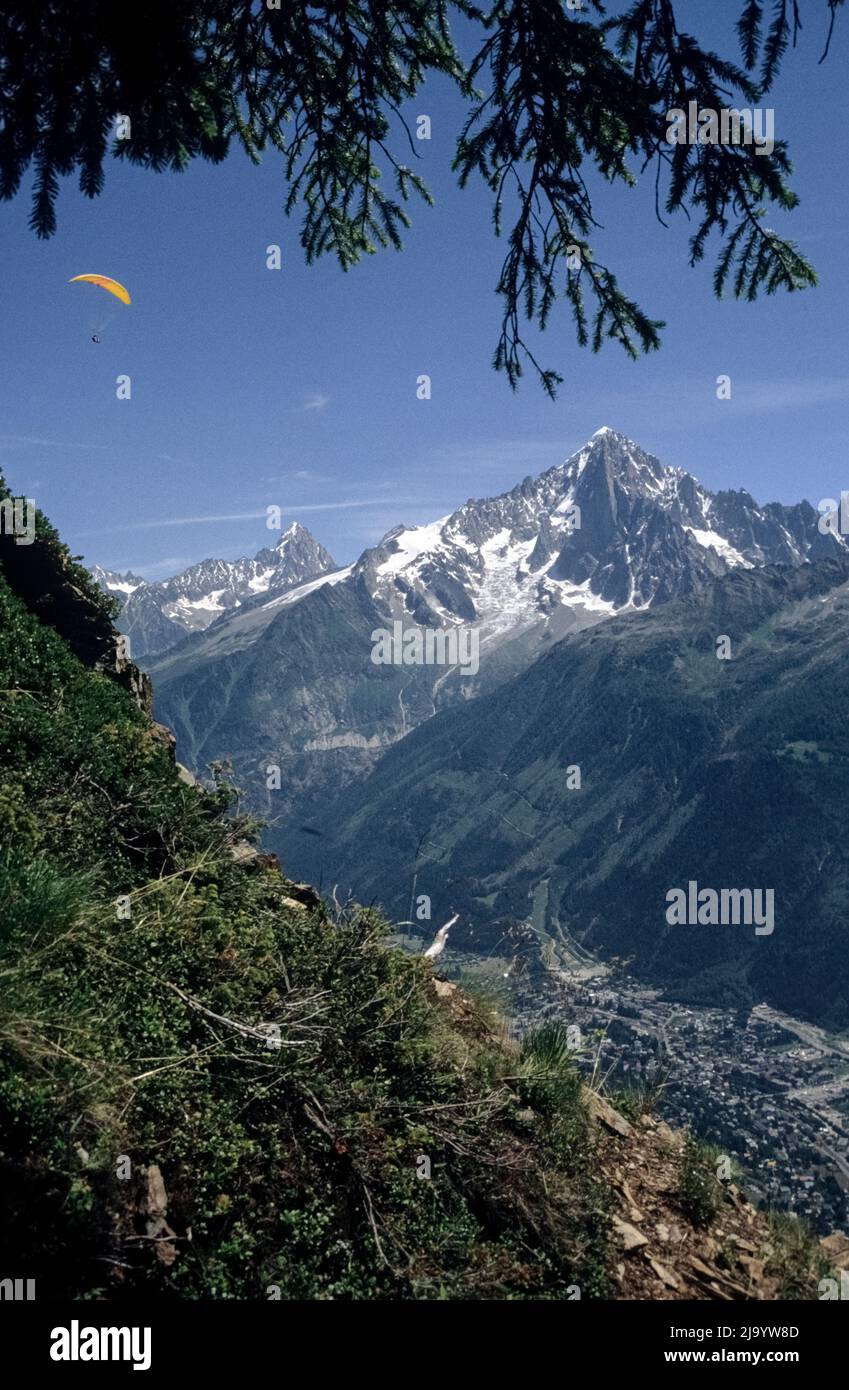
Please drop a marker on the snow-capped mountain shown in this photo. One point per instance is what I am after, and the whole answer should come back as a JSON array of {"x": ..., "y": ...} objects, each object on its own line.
[
  {"x": 155, "y": 616},
  {"x": 290, "y": 680},
  {"x": 611, "y": 528},
  {"x": 120, "y": 585}
]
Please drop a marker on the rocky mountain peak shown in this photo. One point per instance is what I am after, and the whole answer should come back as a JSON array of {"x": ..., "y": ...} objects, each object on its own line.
[
  {"x": 118, "y": 584},
  {"x": 156, "y": 616},
  {"x": 612, "y": 527}
]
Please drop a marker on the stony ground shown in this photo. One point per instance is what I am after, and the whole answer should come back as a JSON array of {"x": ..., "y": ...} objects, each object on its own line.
[
  {"x": 663, "y": 1254},
  {"x": 660, "y": 1251}
]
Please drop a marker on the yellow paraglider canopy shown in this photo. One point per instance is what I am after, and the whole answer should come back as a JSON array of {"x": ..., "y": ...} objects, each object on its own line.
[{"x": 107, "y": 283}]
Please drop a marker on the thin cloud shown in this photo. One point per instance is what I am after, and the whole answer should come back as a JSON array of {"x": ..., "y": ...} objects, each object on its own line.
[
  {"x": 290, "y": 509},
  {"x": 303, "y": 475},
  {"x": 315, "y": 402},
  {"x": 693, "y": 400},
  {"x": 151, "y": 570},
  {"x": 15, "y": 441},
  {"x": 771, "y": 397}
]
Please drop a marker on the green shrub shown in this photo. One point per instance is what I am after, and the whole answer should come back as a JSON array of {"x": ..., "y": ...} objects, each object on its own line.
[{"x": 699, "y": 1191}]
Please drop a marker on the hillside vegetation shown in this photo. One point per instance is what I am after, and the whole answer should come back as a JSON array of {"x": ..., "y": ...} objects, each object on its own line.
[{"x": 153, "y": 1135}]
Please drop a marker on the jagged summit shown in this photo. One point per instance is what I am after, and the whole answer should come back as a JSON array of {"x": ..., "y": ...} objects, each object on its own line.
[
  {"x": 612, "y": 527},
  {"x": 114, "y": 583},
  {"x": 615, "y": 437},
  {"x": 607, "y": 429},
  {"x": 156, "y": 616},
  {"x": 292, "y": 533}
]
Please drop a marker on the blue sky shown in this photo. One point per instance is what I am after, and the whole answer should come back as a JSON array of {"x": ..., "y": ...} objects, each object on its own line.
[{"x": 298, "y": 388}]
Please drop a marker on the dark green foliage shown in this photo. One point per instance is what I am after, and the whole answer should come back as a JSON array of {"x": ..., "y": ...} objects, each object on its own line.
[
  {"x": 765, "y": 36},
  {"x": 555, "y": 93},
  {"x": 562, "y": 98},
  {"x": 144, "y": 1041},
  {"x": 82, "y": 777},
  {"x": 550, "y": 1076},
  {"x": 796, "y": 1258},
  {"x": 725, "y": 185},
  {"x": 637, "y": 1097},
  {"x": 700, "y": 1191},
  {"x": 35, "y": 580}
]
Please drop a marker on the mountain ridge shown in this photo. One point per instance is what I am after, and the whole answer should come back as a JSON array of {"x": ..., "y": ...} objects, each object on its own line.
[{"x": 289, "y": 682}]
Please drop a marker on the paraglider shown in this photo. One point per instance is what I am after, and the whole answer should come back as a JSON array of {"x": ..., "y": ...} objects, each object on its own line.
[
  {"x": 113, "y": 287},
  {"x": 105, "y": 282}
]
